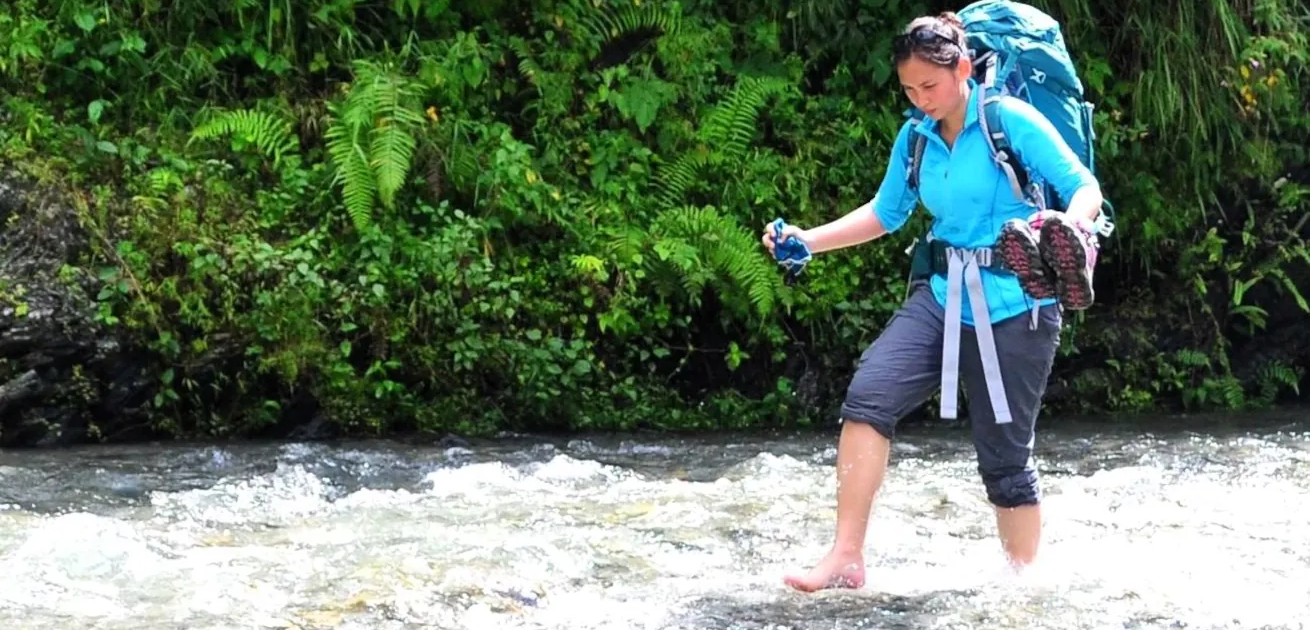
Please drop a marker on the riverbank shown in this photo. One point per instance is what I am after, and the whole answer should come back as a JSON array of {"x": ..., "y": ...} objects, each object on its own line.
[
  {"x": 240, "y": 223},
  {"x": 71, "y": 372}
]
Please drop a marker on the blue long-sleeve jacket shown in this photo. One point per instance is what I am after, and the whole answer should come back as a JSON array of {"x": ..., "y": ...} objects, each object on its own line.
[{"x": 969, "y": 196}]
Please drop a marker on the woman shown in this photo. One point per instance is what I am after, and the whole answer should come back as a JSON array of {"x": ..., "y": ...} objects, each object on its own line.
[{"x": 1004, "y": 358}]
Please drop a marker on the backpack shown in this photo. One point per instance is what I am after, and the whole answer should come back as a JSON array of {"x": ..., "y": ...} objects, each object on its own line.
[{"x": 1019, "y": 51}]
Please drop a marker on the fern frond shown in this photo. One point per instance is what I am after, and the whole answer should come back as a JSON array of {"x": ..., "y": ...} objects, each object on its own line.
[
  {"x": 1277, "y": 373},
  {"x": 528, "y": 67},
  {"x": 724, "y": 136},
  {"x": 1290, "y": 286},
  {"x": 462, "y": 166},
  {"x": 588, "y": 265},
  {"x": 163, "y": 181},
  {"x": 729, "y": 252},
  {"x": 270, "y": 133},
  {"x": 372, "y": 138},
  {"x": 687, "y": 250},
  {"x": 1233, "y": 393},
  {"x": 626, "y": 245},
  {"x": 604, "y": 25},
  {"x": 393, "y": 136},
  {"x": 731, "y": 126},
  {"x": 352, "y": 168},
  {"x": 1192, "y": 358},
  {"x": 672, "y": 182}
]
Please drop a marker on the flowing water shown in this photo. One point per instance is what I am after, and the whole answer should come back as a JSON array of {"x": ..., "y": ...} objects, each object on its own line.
[{"x": 1200, "y": 526}]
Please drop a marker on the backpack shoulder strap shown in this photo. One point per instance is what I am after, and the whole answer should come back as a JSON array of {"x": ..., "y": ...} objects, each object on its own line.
[
  {"x": 916, "y": 151},
  {"x": 916, "y": 159},
  {"x": 1003, "y": 153}
]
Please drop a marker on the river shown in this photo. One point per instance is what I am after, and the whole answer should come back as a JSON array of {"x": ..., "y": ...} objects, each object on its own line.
[{"x": 1194, "y": 524}]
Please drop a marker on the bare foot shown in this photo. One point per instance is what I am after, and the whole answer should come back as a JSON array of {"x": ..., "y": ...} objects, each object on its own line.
[{"x": 834, "y": 571}]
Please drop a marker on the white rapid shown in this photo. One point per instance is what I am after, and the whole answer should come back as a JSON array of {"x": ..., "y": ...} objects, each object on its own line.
[{"x": 1197, "y": 527}]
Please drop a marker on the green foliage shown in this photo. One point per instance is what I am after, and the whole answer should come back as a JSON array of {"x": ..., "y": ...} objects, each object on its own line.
[
  {"x": 270, "y": 134},
  {"x": 688, "y": 250},
  {"x": 372, "y": 137},
  {"x": 722, "y": 140},
  {"x": 483, "y": 216}
]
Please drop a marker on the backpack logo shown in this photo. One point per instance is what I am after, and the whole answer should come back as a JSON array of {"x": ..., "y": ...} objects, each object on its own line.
[{"x": 1038, "y": 77}]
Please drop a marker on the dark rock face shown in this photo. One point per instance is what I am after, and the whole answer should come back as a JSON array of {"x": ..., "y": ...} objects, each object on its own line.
[{"x": 62, "y": 374}]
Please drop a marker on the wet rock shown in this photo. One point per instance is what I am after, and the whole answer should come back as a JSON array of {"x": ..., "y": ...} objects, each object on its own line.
[
  {"x": 318, "y": 429},
  {"x": 452, "y": 441},
  {"x": 62, "y": 373},
  {"x": 440, "y": 440}
]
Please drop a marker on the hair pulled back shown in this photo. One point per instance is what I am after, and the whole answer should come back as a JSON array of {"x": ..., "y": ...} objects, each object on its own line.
[{"x": 937, "y": 39}]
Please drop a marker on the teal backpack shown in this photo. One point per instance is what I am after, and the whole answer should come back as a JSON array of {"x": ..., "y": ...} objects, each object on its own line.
[{"x": 1019, "y": 51}]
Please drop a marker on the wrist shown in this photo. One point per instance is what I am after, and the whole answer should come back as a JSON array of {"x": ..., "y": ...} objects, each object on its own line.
[{"x": 809, "y": 237}]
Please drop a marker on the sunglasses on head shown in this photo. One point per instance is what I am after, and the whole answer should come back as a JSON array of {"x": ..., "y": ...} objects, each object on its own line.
[{"x": 923, "y": 36}]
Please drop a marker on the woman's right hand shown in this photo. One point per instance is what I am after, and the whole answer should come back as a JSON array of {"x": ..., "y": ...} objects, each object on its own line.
[{"x": 769, "y": 237}]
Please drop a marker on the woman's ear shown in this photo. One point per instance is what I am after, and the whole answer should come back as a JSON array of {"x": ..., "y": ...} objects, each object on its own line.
[{"x": 964, "y": 69}]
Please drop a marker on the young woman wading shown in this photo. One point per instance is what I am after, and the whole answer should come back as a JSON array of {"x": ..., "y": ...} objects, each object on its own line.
[{"x": 965, "y": 319}]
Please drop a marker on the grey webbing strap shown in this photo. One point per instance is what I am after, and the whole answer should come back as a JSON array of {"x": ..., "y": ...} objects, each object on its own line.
[
  {"x": 1010, "y": 174},
  {"x": 987, "y": 344},
  {"x": 1001, "y": 157},
  {"x": 951, "y": 336},
  {"x": 963, "y": 269}
]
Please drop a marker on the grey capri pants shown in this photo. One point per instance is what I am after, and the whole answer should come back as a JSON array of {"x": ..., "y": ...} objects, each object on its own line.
[{"x": 902, "y": 368}]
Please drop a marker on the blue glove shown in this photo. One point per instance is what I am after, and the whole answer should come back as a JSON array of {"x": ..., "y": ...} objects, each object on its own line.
[{"x": 793, "y": 254}]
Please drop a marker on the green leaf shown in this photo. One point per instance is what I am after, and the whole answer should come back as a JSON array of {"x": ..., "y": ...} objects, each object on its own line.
[
  {"x": 86, "y": 20},
  {"x": 640, "y": 100},
  {"x": 95, "y": 109},
  {"x": 134, "y": 42}
]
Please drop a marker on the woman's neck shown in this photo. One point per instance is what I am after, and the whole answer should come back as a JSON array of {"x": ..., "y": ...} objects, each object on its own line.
[{"x": 951, "y": 125}]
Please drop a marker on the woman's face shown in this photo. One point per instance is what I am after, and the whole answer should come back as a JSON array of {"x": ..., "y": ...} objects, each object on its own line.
[{"x": 932, "y": 88}]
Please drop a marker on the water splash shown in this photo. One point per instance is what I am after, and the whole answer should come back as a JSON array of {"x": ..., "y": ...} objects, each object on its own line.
[{"x": 1168, "y": 530}]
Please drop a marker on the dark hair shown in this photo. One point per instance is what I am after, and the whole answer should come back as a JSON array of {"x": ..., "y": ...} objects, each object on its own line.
[{"x": 936, "y": 39}]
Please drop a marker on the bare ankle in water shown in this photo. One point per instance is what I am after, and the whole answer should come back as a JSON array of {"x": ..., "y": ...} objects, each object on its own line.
[{"x": 1020, "y": 531}]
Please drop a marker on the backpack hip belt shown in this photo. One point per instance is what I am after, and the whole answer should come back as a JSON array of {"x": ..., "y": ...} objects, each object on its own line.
[{"x": 962, "y": 267}]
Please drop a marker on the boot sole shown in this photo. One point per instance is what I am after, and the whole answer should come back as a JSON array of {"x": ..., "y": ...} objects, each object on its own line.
[
  {"x": 1062, "y": 248},
  {"x": 1023, "y": 257}
]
